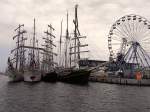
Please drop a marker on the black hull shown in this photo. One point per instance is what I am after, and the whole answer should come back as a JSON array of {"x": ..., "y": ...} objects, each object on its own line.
[
  {"x": 50, "y": 77},
  {"x": 76, "y": 77}
]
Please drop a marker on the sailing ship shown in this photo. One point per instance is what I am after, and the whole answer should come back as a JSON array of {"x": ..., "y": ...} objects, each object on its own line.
[
  {"x": 16, "y": 64},
  {"x": 73, "y": 73},
  {"x": 32, "y": 71},
  {"x": 48, "y": 64}
]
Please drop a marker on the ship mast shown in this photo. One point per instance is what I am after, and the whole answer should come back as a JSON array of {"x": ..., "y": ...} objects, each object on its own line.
[
  {"x": 76, "y": 39},
  {"x": 48, "y": 55},
  {"x": 34, "y": 50},
  {"x": 76, "y": 33},
  {"x": 66, "y": 44},
  {"x": 33, "y": 54},
  {"x": 19, "y": 56},
  {"x": 60, "y": 44},
  {"x": 38, "y": 54}
]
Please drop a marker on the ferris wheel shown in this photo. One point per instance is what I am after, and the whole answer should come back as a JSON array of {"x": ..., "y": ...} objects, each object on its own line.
[{"x": 129, "y": 40}]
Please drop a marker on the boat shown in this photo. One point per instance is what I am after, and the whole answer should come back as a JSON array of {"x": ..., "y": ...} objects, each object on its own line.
[
  {"x": 16, "y": 62},
  {"x": 73, "y": 73},
  {"x": 48, "y": 64},
  {"x": 32, "y": 72},
  {"x": 78, "y": 76},
  {"x": 13, "y": 74},
  {"x": 49, "y": 77},
  {"x": 32, "y": 75}
]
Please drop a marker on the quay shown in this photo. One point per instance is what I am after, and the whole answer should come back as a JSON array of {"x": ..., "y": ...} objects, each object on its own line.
[{"x": 120, "y": 81}]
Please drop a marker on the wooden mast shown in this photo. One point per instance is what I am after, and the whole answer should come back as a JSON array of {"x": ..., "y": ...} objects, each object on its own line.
[
  {"x": 48, "y": 54},
  {"x": 33, "y": 54},
  {"x": 22, "y": 52},
  {"x": 66, "y": 45},
  {"x": 19, "y": 56},
  {"x": 77, "y": 33},
  {"x": 51, "y": 46},
  {"x": 60, "y": 44},
  {"x": 38, "y": 55},
  {"x": 76, "y": 39}
]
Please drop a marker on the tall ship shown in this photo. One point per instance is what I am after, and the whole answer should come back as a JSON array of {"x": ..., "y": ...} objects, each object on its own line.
[
  {"x": 72, "y": 72},
  {"x": 48, "y": 64},
  {"x": 32, "y": 71},
  {"x": 16, "y": 61}
]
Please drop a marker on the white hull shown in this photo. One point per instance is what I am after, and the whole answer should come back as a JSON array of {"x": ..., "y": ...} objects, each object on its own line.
[
  {"x": 14, "y": 76},
  {"x": 32, "y": 76}
]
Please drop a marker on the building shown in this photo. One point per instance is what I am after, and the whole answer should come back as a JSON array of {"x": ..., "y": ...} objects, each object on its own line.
[{"x": 90, "y": 63}]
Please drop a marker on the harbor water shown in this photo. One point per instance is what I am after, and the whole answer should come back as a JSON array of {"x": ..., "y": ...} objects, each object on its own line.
[{"x": 63, "y": 97}]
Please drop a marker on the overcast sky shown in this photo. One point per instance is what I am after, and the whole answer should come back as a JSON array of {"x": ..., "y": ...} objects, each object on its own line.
[{"x": 95, "y": 20}]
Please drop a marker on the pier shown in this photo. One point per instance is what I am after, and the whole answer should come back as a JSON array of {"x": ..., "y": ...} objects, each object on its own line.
[{"x": 120, "y": 81}]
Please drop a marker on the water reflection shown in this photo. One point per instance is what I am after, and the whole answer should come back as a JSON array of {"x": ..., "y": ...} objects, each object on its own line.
[{"x": 63, "y": 97}]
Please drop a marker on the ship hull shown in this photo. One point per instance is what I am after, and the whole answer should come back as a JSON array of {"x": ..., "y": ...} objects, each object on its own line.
[
  {"x": 32, "y": 76},
  {"x": 49, "y": 77},
  {"x": 76, "y": 76},
  {"x": 14, "y": 76}
]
